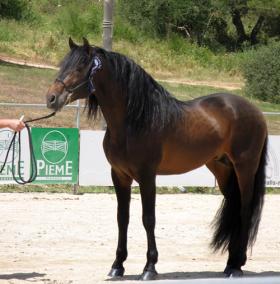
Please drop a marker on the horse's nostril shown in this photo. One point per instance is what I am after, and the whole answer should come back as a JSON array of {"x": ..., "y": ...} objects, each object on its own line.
[{"x": 52, "y": 99}]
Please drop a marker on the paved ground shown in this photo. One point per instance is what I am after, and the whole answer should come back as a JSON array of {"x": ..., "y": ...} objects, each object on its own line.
[{"x": 60, "y": 238}]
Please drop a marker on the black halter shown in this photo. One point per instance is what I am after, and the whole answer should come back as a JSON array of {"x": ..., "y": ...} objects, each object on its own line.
[{"x": 95, "y": 65}]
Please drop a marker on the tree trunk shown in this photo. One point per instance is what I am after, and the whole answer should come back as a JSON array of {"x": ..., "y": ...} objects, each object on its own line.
[
  {"x": 241, "y": 34},
  {"x": 255, "y": 31},
  {"x": 222, "y": 35}
]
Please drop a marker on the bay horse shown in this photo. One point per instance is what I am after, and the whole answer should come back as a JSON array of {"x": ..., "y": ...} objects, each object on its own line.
[{"x": 150, "y": 132}]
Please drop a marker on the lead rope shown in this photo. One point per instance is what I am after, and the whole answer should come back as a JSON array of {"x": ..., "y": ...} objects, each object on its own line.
[{"x": 33, "y": 164}]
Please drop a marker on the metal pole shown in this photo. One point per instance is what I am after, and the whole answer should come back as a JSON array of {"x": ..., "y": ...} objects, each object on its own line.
[
  {"x": 107, "y": 35},
  {"x": 76, "y": 186},
  {"x": 78, "y": 114},
  {"x": 108, "y": 24}
]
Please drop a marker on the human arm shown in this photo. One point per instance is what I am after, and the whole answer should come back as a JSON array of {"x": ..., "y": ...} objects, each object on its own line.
[{"x": 13, "y": 124}]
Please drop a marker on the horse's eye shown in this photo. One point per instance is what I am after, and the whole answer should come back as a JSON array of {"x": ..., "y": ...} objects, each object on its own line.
[{"x": 80, "y": 68}]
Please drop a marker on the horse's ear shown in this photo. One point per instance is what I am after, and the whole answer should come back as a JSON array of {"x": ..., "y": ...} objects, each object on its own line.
[
  {"x": 86, "y": 42},
  {"x": 72, "y": 44},
  {"x": 86, "y": 45}
]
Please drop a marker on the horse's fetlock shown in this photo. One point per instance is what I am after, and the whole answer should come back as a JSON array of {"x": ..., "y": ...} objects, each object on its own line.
[
  {"x": 152, "y": 256},
  {"x": 121, "y": 254}
]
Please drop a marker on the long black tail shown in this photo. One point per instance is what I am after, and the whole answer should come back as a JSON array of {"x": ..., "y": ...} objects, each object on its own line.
[{"x": 228, "y": 221}]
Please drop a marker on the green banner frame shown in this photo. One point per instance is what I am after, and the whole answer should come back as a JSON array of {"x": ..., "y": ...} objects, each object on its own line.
[{"x": 57, "y": 155}]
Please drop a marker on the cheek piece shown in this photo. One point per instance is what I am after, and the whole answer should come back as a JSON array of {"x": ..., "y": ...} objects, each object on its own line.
[{"x": 95, "y": 66}]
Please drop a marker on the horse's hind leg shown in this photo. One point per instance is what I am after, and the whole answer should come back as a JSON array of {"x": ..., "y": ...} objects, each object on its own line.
[
  {"x": 238, "y": 243},
  {"x": 250, "y": 172},
  {"x": 122, "y": 185},
  {"x": 237, "y": 220},
  {"x": 222, "y": 169}
]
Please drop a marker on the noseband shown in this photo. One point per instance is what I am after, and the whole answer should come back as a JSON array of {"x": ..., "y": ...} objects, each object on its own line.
[{"x": 95, "y": 65}]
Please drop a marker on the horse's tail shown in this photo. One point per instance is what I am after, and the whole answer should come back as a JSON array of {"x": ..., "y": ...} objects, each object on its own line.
[
  {"x": 228, "y": 221},
  {"x": 258, "y": 196}
]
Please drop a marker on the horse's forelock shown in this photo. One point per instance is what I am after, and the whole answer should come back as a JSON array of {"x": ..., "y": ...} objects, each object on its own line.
[{"x": 74, "y": 58}]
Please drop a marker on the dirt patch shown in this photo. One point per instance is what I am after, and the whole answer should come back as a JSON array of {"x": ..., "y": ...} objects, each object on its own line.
[
  {"x": 216, "y": 84},
  {"x": 60, "y": 238},
  {"x": 8, "y": 59}
]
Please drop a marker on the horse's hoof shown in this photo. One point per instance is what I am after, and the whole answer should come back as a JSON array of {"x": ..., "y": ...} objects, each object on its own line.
[
  {"x": 233, "y": 272},
  {"x": 236, "y": 273},
  {"x": 116, "y": 272},
  {"x": 148, "y": 275},
  {"x": 227, "y": 271}
]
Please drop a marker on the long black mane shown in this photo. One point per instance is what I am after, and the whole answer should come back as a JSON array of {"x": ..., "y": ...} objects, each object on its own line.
[{"x": 149, "y": 105}]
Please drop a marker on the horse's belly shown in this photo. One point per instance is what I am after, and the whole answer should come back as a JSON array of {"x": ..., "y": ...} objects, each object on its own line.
[
  {"x": 178, "y": 160},
  {"x": 178, "y": 165}
]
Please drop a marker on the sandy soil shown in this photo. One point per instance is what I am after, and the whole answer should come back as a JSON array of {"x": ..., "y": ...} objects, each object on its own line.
[{"x": 59, "y": 238}]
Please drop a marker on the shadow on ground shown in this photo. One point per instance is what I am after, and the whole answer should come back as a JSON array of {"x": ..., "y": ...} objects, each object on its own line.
[
  {"x": 197, "y": 275},
  {"x": 20, "y": 276}
]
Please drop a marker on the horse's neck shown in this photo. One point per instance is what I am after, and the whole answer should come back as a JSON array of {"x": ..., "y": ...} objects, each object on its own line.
[
  {"x": 111, "y": 100},
  {"x": 114, "y": 112}
]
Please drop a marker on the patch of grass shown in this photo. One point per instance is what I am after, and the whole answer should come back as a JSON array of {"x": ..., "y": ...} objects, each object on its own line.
[
  {"x": 175, "y": 57},
  {"x": 272, "y": 190},
  {"x": 67, "y": 188},
  {"x": 187, "y": 92},
  {"x": 110, "y": 190},
  {"x": 36, "y": 188},
  {"x": 99, "y": 189},
  {"x": 192, "y": 62},
  {"x": 29, "y": 85},
  {"x": 20, "y": 74},
  {"x": 172, "y": 58},
  {"x": 8, "y": 32}
]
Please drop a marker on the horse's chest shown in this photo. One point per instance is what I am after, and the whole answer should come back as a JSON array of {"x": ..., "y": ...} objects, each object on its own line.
[{"x": 116, "y": 156}]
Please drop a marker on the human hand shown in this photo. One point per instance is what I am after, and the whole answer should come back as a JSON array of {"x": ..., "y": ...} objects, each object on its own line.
[{"x": 16, "y": 124}]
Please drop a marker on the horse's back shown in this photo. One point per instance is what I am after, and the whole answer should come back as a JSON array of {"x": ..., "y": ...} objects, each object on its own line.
[
  {"x": 227, "y": 103},
  {"x": 227, "y": 112}
]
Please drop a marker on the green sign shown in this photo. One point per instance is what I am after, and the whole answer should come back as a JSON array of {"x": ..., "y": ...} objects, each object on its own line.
[{"x": 56, "y": 151}]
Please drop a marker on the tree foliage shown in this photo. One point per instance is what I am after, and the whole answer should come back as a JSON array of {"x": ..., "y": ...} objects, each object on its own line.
[
  {"x": 232, "y": 24},
  {"x": 261, "y": 71},
  {"x": 16, "y": 9}
]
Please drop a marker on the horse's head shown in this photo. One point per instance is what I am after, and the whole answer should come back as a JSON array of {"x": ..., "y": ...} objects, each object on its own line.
[{"x": 74, "y": 80}]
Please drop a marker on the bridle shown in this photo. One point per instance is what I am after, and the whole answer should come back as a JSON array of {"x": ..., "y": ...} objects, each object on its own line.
[{"x": 95, "y": 65}]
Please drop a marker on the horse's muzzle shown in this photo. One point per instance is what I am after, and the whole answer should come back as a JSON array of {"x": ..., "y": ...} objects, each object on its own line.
[{"x": 56, "y": 101}]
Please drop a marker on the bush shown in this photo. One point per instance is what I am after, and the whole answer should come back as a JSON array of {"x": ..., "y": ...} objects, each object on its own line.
[
  {"x": 125, "y": 31},
  {"x": 262, "y": 70},
  {"x": 8, "y": 31},
  {"x": 161, "y": 17},
  {"x": 17, "y": 10},
  {"x": 79, "y": 22}
]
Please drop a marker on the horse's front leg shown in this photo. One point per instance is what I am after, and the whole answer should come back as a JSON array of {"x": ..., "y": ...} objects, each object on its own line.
[
  {"x": 122, "y": 185},
  {"x": 148, "y": 197}
]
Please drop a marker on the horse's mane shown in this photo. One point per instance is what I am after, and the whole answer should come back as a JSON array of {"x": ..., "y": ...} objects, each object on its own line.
[{"x": 149, "y": 105}]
